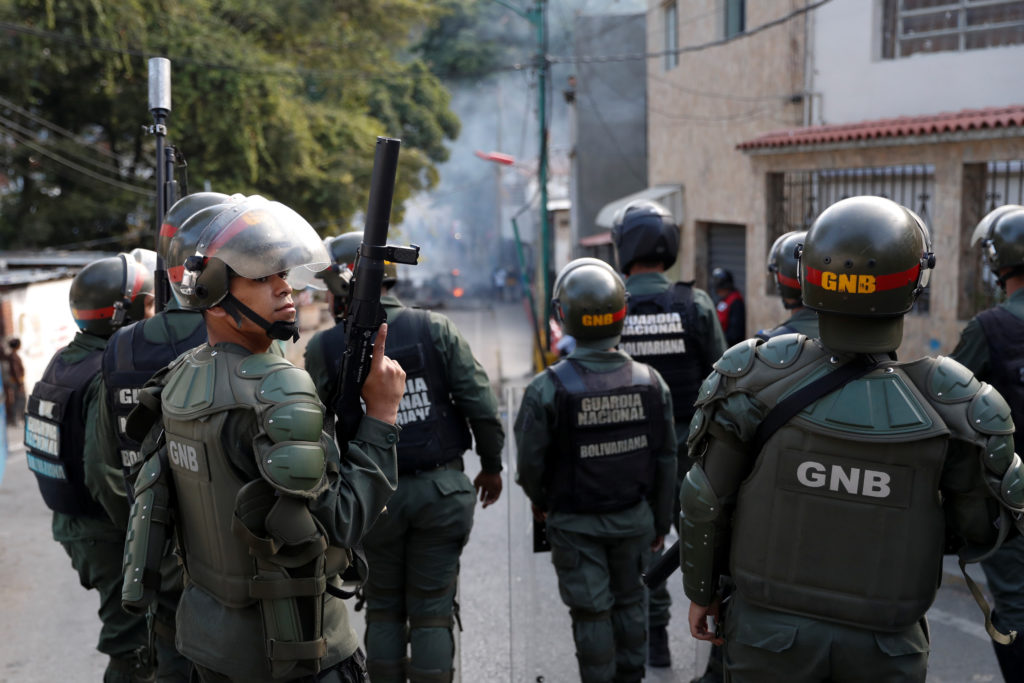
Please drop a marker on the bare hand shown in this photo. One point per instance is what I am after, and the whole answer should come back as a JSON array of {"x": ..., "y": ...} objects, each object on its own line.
[
  {"x": 698, "y": 618},
  {"x": 488, "y": 486},
  {"x": 538, "y": 514},
  {"x": 657, "y": 544},
  {"x": 385, "y": 384}
]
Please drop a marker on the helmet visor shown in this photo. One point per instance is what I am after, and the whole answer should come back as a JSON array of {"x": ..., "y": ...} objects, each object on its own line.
[{"x": 257, "y": 238}]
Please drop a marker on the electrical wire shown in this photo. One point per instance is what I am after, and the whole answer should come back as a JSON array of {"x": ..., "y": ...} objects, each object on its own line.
[
  {"x": 595, "y": 59},
  {"x": 20, "y": 139},
  {"x": 53, "y": 126},
  {"x": 28, "y": 133}
]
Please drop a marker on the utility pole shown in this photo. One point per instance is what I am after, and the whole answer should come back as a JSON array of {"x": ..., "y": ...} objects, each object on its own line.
[{"x": 537, "y": 16}]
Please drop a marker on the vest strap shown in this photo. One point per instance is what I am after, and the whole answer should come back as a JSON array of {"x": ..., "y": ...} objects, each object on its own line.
[{"x": 277, "y": 589}]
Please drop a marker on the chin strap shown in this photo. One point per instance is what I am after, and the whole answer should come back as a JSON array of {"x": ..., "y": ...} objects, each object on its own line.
[
  {"x": 278, "y": 329},
  {"x": 789, "y": 306}
]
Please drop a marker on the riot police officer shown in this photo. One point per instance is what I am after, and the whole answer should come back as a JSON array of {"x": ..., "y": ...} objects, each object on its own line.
[
  {"x": 732, "y": 310},
  {"x": 990, "y": 346},
  {"x": 597, "y": 459},
  {"x": 264, "y": 508},
  {"x": 60, "y": 419},
  {"x": 133, "y": 354},
  {"x": 414, "y": 548},
  {"x": 671, "y": 327},
  {"x": 784, "y": 271},
  {"x": 830, "y": 514}
]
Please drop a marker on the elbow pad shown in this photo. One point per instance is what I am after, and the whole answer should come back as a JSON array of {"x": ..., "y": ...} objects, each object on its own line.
[
  {"x": 699, "y": 510},
  {"x": 148, "y": 527}
]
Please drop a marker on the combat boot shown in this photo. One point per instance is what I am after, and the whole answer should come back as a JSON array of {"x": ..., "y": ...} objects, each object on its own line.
[{"x": 658, "y": 654}]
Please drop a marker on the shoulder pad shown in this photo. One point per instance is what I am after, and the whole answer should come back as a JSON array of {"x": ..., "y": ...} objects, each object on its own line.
[
  {"x": 999, "y": 453},
  {"x": 737, "y": 359},
  {"x": 151, "y": 472},
  {"x": 287, "y": 383},
  {"x": 951, "y": 382},
  {"x": 295, "y": 469},
  {"x": 259, "y": 365},
  {"x": 294, "y": 421},
  {"x": 989, "y": 413},
  {"x": 781, "y": 351},
  {"x": 708, "y": 389},
  {"x": 1011, "y": 489},
  {"x": 190, "y": 383}
]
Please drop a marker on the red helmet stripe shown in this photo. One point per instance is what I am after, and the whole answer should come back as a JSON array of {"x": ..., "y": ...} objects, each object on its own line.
[
  {"x": 233, "y": 228},
  {"x": 787, "y": 281},
  {"x": 619, "y": 315},
  {"x": 813, "y": 276},
  {"x": 174, "y": 273},
  {"x": 168, "y": 230},
  {"x": 137, "y": 285},
  {"x": 897, "y": 280},
  {"x": 93, "y": 314}
]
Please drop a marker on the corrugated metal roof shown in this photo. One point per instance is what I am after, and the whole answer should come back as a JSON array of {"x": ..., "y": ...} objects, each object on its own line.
[{"x": 903, "y": 126}]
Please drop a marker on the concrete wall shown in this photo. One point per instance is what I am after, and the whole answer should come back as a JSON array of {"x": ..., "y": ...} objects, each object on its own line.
[
  {"x": 852, "y": 82},
  {"x": 42, "y": 319},
  {"x": 610, "y": 154},
  {"x": 713, "y": 100},
  {"x": 939, "y": 329}
]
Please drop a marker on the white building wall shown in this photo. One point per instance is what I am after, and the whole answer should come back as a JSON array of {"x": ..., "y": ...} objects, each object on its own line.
[
  {"x": 43, "y": 322},
  {"x": 852, "y": 83}
]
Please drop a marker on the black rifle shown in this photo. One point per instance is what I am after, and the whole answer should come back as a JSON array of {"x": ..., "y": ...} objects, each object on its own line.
[{"x": 363, "y": 313}]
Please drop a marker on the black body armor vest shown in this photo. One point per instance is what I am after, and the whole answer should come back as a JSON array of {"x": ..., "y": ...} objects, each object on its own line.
[
  {"x": 609, "y": 430},
  {"x": 129, "y": 361},
  {"x": 1004, "y": 332},
  {"x": 434, "y": 430},
  {"x": 55, "y": 434},
  {"x": 660, "y": 330}
]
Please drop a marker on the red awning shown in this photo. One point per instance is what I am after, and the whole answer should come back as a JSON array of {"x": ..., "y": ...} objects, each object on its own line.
[{"x": 902, "y": 126}]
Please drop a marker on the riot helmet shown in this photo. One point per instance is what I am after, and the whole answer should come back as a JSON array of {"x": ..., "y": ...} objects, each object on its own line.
[
  {"x": 1001, "y": 237},
  {"x": 645, "y": 231},
  {"x": 722, "y": 279},
  {"x": 147, "y": 257},
  {"x": 784, "y": 267},
  {"x": 251, "y": 238},
  {"x": 590, "y": 302},
  {"x": 180, "y": 212},
  {"x": 344, "y": 249},
  {"x": 864, "y": 262},
  {"x": 110, "y": 292}
]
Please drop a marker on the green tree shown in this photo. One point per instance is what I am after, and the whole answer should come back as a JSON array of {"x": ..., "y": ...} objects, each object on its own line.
[{"x": 278, "y": 97}]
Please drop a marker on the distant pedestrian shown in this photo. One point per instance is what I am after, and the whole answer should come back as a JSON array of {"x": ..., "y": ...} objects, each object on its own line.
[
  {"x": 732, "y": 311},
  {"x": 14, "y": 383}
]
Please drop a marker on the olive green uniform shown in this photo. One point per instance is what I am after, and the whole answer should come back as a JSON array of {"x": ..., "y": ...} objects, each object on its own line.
[
  {"x": 598, "y": 556},
  {"x": 804, "y": 321},
  {"x": 1005, "y": 569},
  {"x": 104, "y": 477},
  {"x": 96, "y": 545},
  {"x": 833, "y": 532},
  {"x": 414, "y": 548},
  {"x": 709, "y": 331},
  {"x": 226, "y": 636}
]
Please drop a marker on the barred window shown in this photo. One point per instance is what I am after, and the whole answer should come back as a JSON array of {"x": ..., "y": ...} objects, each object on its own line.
[{"x": 915, "y": 26}]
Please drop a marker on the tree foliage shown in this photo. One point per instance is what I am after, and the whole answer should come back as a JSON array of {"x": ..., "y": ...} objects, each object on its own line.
[{"x": 278, "y": 97}]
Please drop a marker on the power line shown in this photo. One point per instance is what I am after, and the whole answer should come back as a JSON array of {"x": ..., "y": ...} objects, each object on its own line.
[
  {"x": 20, "y": 139},
  {"x": 595, "y": 59},
  {"x": 53, "y": 126},
  {"x": 29, "y": 134}
]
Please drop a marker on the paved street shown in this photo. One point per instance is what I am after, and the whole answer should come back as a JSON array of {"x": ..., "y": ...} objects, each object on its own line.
[{"x": 515, "y": 626}]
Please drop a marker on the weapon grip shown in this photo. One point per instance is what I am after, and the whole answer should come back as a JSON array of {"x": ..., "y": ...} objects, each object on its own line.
[{"x": 666, "y": 565}]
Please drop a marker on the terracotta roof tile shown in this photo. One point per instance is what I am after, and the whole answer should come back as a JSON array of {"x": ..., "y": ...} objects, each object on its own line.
[{"x": 903, "y": 126}]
